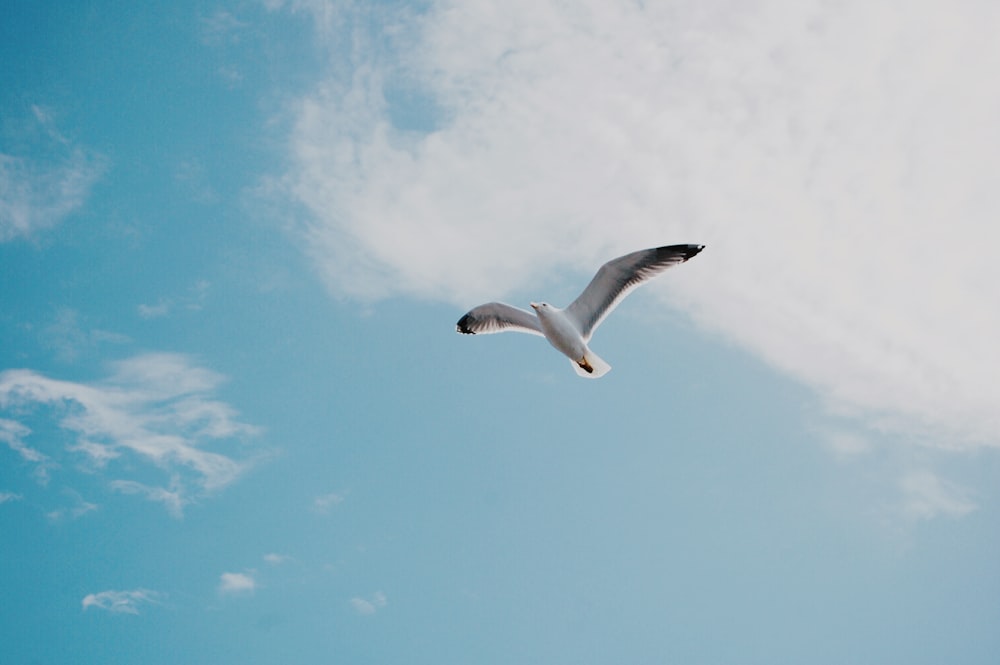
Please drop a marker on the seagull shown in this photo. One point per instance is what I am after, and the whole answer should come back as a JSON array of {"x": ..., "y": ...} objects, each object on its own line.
[{"x": 569, "y": 329}]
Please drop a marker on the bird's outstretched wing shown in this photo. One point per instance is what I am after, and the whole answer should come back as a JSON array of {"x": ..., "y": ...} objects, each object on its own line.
[
  {"x": 618, "y": 277},
  {"x": 494, "y": 317}
]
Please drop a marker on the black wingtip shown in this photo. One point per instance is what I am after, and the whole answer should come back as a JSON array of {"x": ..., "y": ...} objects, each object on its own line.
[
  {"x": 689, "y": 251},
  {"x": 463, "y": 326},
  {"x": 686, "y": 251}
]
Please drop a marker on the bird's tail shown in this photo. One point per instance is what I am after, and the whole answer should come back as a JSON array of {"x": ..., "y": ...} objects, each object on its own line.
[{"x": 591, "y": 366}]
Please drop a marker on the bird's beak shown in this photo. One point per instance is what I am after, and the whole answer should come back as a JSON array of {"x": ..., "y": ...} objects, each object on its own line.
[{"x": 534, "y": 305}]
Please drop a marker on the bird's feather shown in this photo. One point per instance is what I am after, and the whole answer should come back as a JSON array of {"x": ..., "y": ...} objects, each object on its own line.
[
  {"x": 494, "y": 317},
  {"x": 617, "y": 278},
  {"x": 598, "y": 366}
]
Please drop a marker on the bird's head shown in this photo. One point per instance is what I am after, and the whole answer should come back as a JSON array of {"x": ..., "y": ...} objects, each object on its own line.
[{"x": 544, "y": 310}]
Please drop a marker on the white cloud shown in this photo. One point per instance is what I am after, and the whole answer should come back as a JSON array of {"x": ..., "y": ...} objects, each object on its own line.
[
  {"x": 846, "y": 445},
  {"x": 78, "y": 508},
  {"x": 838, "y": 159},
  {"x": 193, "y": 175},
  {"x": 9, "y": 496},
  {"x": 121, "y": 602},
  {"x": 325, "y": 502},
  {"x": 13, "y": 433},
  {"x": 96, "y": 455},
  {"x": 38, "y": 191},
  {"x": 172, "y": 499},
  {"x": 193, "y": 300},
  {"x": 221, "y": 27},
  {"x": 369, "y": 606},
  {"x": 74, "y": 512},
  {"x": 157, "y": 408},
  {"x": 926, "y": 496},
  {"x": 82, "y": 509},
  {"x": 236, "y": 583},
  {"x": 276, "y": 559},
  {"x": 160, "y": 309},
  {"x": 68, "y": 337},
  {"x": 328, "y": 16}
]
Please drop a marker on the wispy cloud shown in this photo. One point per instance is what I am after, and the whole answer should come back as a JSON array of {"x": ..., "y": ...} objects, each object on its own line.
[
  {"x": 68, "y": 336},
  {"x": 122, "y": 602},
  {"x": 326, "y": 502},
  {"x": 276, "y": 559},
  {"x": 926, "y": 496},
  {"x": 13, "y": 434},
  {"x": 9, "y": 496},
  {"x": 154, "y": 408},
  {"x": 221, "y": 27},
  {"x": 160, "y": 309},
  {"x": 195, "y": 178},
  {"x": 193, "y": 300},
  {"x": 73, "y": 512},
  {"x": 836, "y": 158},
  {"x": 95, "y": 455},
  {"x": 328, "y": 16},
  {"x": 172, "y": 499},
  {"x": 77, "y": 508},
  {"x": 42, "y": 187},
  {"x": 237, "y": 583},
  {"x": 846, "y": 445},
  {"x": 369, "y": 605}
]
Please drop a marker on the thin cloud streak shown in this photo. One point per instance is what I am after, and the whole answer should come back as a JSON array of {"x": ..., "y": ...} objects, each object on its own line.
[
  {"x": 837, "y": 160},
  {"x": 926, "y": 496},
  {"x": 276, "y": 559},
  {"x": 9, "y": 496},
  {"x": 236, "y": 583},
  {"x": 13, "y": 433},
  {"x": 192, "y": 301},
  {"x": 37, "y": 194},
  {"x": 326, "y": 502},
  {"x": 121, "y": 602},
  {"x": 76, "y": 512},
  {"x": 158, "y": 408},
  {"x": 68, "y": 337},
  {"x": 369, "y": 606},
  {"x": 172, "y": 499}
]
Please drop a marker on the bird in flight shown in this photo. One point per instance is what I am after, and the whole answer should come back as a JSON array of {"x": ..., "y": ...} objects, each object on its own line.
[{"x": 570, "y": 329}]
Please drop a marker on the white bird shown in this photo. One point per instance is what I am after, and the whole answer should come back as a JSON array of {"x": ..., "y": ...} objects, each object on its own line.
[{"x": 569, "y": 330}]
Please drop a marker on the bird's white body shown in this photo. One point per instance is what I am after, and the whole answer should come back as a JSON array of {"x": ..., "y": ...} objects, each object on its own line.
[
  {"x": 569, "y": 329},
  {"x": 565, "y": 335}
]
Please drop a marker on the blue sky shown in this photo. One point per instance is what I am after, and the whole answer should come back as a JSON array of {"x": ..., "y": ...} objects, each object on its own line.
[{"x": 237, "y": 425}]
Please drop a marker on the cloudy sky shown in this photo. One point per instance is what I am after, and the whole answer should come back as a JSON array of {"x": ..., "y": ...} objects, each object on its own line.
[{"x": 237, "y": 425}]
